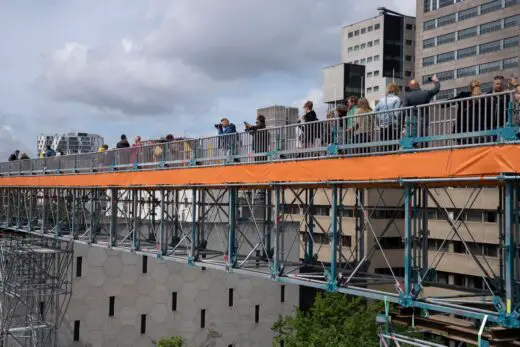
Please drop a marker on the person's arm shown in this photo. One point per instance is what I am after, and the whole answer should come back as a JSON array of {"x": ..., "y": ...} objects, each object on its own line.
[{"x": 436, "y": 87}]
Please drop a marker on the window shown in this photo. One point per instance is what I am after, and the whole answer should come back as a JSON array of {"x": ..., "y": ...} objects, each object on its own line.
[
  {"x": 230, "y": 297},
  {"x": 447, "y": 38},
  {"x": 356, "y": 62},
  {"x": 446, "y": 20},
  {"x": 356, "y": 48},
  {"x": 369, "y": 59},
  {"x": 490, "y": 6},
  {"x": 510, "y": 63},
  {"x": 446, "y": 75},
  {"x": 490, "y": 67},
  {"x": 376, "y": 73},
  {"x": 369, "y": 44},
  {"x": 282, "y": 293},
  {"x": 391, "y": 242},
  {"x": 408, "y": 58},
  {"x": 143, "y": 324},
  {"x": 376, "y": 57},
  {"x": 467, "y": 14},
  {"x": 409, "y": 27},
  {"x": 429, "y": 43},
  {"x": 346, "y": 241},
  {"x": 369, "y": 90},
  {"x": 363, "y": 31},
  {"x": 490, "y": 217},
  {"x": 430, "y": 5},
  {"x": 512, "y": 22},
  {"x": 490, "y": 27},
  {"x": 445, "y": 94},
  {"x": 369, "y": 74},
  {"x": 408, "y": 74},
  {"x": 376, "y": 42},
  {"x": 489, "y": 47},
  {"x": 111, "y": 304},
  {"x": 202, "y": 318},
  {"x": 145, "y": 264},
  {"x": 376, "y": 89},
  {"x": 363, "y": 45},
  {"x": 467, "y": 33},
  {"x": 428, "y": 61},
  {"x": 174, "y": 301},
  {"x": 377, "y": 26},
  {"x": 444, "y": 3},
  {"x": 257, "y": 313},
  {"x": 409, "y": 42},
  {"x": 474, "y": 216},
  {"x": 511, "y": 42},
  {"x": 350, "y": 49},
  {"x": 467, "y": 52},
  {"x": 76, "y": 330},
  {"x": 356, "y": 33},
  {"x": 370, "y": 28},
  {"x": 509, "y": 3},
  {"x": 429, "y": 25},
  {"x": 363, "y": 61},
  {"x": 350, "y": 34},
  {"x": 444, "y": 57},
  {"x": 79, "y": 266}
]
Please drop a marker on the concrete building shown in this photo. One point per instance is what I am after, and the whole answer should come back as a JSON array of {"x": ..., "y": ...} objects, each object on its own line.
[
  {"x": 463, "y": 41},
  {"x": 70, "y": 143},
  {"x": 385, "y": 46},
  {"x": 276, "y": 116}
]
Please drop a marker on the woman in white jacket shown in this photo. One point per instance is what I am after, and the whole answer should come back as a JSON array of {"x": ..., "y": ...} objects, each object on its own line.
[{"x": 388, "y": 117}]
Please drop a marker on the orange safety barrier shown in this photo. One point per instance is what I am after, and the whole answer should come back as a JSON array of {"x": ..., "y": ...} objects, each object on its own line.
[{"x": 478, "y": 161}]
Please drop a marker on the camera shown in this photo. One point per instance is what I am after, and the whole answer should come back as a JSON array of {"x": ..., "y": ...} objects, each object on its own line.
[{"x": 217, "y": 125}]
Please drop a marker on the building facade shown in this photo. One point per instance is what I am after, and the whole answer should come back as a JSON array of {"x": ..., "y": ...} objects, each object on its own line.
[
  {"x": 463, "y": 41},
  {"x": 385, "y": 46},
  {"x": 70, "y": 143}
]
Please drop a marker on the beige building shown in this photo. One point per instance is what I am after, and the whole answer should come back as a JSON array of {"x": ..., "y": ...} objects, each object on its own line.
[{"x": 465, "y": 40}]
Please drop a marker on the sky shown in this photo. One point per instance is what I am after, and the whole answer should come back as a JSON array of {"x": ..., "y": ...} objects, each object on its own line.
[{"x": 153, "y": 67}]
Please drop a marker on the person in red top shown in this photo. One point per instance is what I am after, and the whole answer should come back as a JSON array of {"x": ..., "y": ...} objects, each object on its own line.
[{"x": 135, "y": 155}]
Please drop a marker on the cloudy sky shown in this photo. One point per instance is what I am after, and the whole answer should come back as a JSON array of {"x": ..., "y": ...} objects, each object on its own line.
[{"x": 151, "y": 67}]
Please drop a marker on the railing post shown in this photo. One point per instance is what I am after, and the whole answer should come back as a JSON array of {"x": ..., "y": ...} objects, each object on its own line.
[
  {"x": 408, "y": 140},
  {"x": 508, "y": 132},
  {"x": 331, "y": 280},
  {"x": 232, "y": 247},
  {"x": 113, "y": 217}
]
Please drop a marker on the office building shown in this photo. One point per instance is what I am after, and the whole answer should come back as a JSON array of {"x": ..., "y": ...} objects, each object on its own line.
[
  {"x": 385, "y": 46},
  {"x": 276, "y": 116},
  {"x": 463, "y": 41},
  {"x": 70, "y": 143},
  {"x": 341, "y": 81}
]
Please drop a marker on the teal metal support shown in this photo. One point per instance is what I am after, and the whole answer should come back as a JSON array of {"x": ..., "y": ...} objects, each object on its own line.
[
  {"x": 135, "y": 221},
  {"x": 275, "y": 270},
  {"x": 30, "y": 212},
  {"x": 332, "y": 148},
  {"x": 113, "y": 217},
  {"x": 57, "y": 228},
  {"x": 9, "y": 208},
  {"x": 309, "y": 249},
  {"x": 510, "y": 130},
  {"x": 162, "y": 240},
  {"x": 232, "y": 245},
  {"x": 73, "y": 218},
  {"x": 92, "y": 229},
  {"x": 406, "y": 297},
  {"x": 18, "y": 208},
  {"x": 509, "y": 247},
  {"x": 331, "y": 281},
  {"x": 191, "y": 256},
  {"x": 44, "y": 212}
]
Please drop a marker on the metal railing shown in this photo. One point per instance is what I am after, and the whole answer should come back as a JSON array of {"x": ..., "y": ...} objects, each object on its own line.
[{"x": 485, "y": 119}]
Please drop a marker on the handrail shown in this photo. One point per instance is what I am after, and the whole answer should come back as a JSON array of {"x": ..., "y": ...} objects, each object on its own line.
[{"x": 472, "y": 121}]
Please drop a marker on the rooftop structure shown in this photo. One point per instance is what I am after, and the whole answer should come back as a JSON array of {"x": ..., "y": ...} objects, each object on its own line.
[{"x": 70, "y": 143}]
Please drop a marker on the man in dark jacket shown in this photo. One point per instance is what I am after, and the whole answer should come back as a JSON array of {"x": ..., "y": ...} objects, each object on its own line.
[
  {"x": 417, "y": 97},
  {"x": 260, "y": 143},
  {"x": 123, "y": 143},
  {"x": 14, "y": 156}
]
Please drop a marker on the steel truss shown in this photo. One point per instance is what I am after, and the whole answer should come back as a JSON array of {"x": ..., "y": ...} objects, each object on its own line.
[
  {"x": 35, "y": 287},
  {"x": 251, "y": 230}
]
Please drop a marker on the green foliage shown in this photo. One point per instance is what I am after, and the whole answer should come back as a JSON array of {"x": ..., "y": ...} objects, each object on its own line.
[
  {"x": 333, "y": 321},
  {"x": 174, "y": 341}
]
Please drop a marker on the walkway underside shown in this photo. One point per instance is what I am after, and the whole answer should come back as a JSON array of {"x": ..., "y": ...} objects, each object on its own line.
[
  {"x": 377, "y": 226},
  {"x": 386, "y": 170}
]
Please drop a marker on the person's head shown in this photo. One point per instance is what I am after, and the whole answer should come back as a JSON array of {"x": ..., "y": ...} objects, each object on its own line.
[
  {"x": 413, "y": 84},
  {"x": 330, "y": 115},
  {"x": 352, "y": 101},
  {"x": 24, "y": 155},
  {"x": 364, "y": 104},
  {"x": 498, "y": 84},
  {"x": 307, "y": 107},
  {"x": 48, "y": 148},
  {"x": 105, "y": 146},
  {"x": 169, "y": 137},
  {"x": 341, "y": 110},
  {"x": 224, "y": 122},
  {"x": 260, "y": 119},
  {"x": 392, "y": 88},
  {"x": 123, "y": 137},
  {"x": 517, "y": 94},
  {"x": 475, "y": 88},
  {"x": 137, "y": 139},
  {"x": 17, "y": 152}
]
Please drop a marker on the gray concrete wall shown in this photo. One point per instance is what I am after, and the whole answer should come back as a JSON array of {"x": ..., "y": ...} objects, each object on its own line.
[{"x": 107, "y": 273}]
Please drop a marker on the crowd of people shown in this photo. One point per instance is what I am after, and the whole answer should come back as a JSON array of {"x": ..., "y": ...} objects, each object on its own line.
[{"x": 359, "y": 120}]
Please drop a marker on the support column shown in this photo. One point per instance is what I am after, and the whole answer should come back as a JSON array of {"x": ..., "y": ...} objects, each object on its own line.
[
  {"x": 309, "y": 244},
  {"x": 333, "y": 240},
  {"x": 275, "y": 271},
  {"x": 113, "y": 217},
  {"x": 135, "y": 220},
  {"x": 19, "y": 197},
  {"x": 407, "y": 243},
  {"x": 232, "y": 246},
  {"x": 57, "y": 227},
  {"x": 509, "y": 247},
  {"x": 191, "y": 257},
  {"x": 162, "y": 240},
  {"x": 201, "y": 219},
  {"x": 425, "y": 232},
  {"x": 269, "y": 222},
  {"x": 73, "y": 218},
  {"x": 92, "y": 229},
  {"x": 175, "y": 239},
  {"x": 360, "y": 224},
  {"x": 30, "y": 212},
  {"x": 9, "y": 207},
  {"x": 44, "y": 211}
]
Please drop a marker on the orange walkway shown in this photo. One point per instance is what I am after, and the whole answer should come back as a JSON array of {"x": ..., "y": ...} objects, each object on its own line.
[{"x": 482, "y": 161}]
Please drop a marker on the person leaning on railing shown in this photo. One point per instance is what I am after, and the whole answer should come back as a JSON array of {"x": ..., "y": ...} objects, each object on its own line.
[
  {"x": 260, "y": 141},
  {"x": 307, "y": 136},
  {"x": 516, "y": 107},
  {"x": 362, "y": 125},
  {"x": 388, "y": 121}
]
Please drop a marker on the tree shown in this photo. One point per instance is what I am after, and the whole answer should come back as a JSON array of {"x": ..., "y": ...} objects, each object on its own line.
[
  {"x": 174, "y": 341},
  {"x": 333, "y": 321}
]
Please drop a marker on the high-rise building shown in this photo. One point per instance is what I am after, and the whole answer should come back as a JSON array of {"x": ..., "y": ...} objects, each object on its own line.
[
  {"x": 70, "y": 143},
  {"x": 385, "y": 46},
  {"x": 276, "y": 116},
  {"x": 341, "y": 81},
  {"x": 463, "y": 41}
]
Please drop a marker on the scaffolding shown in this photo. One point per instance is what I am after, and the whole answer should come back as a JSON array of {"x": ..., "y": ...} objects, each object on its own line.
[{"x": 35, "y": 288}]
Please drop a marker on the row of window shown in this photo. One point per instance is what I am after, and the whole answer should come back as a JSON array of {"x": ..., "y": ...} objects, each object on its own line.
[
  {"x": 452, "y": 92},
  {"x": 451, "y": 18},
  {"x": 486, "y": 249},
  {"x": 324, "y": 239},
  {"x": 482, "y": 29},
  {"x": 362, "y": 31},
  {"x": 484, "y": 48},
  {"x": 474, "y": 70},
  {"x": 362, "y": 46},
  {"x": 367, "y": 60},
  {"x": 432, "y": 5}
]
